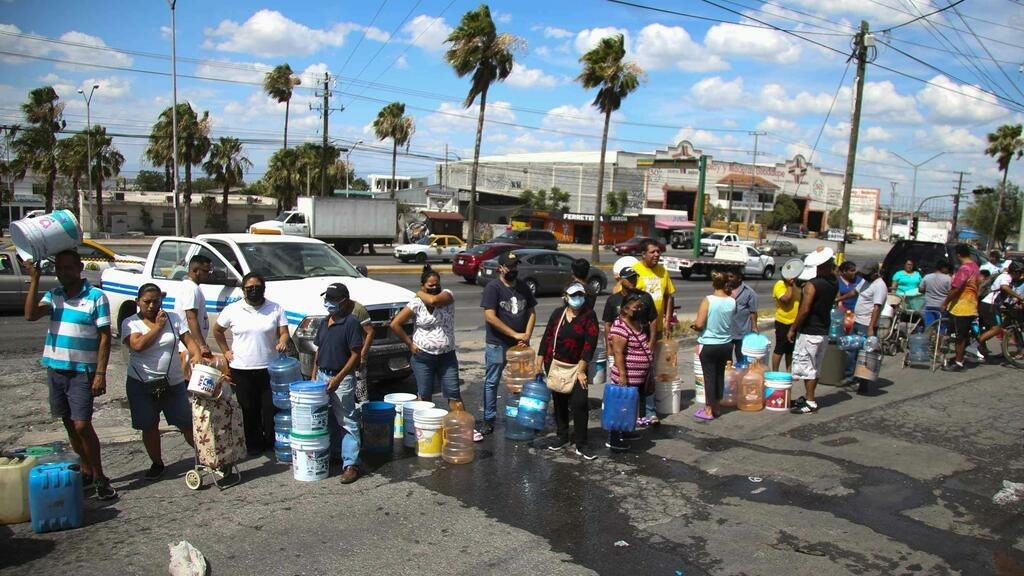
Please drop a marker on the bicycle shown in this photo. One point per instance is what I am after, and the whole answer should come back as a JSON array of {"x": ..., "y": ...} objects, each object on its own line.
[
  {"x": 942, "y": 337},
  {"x": 1011, "y": 318}
]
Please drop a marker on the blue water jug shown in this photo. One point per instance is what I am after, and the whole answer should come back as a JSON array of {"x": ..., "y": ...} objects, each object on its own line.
[
  {"x": 282, "y": 436},
  {"x": 851, "y": 342},
  {"x": 533, "y": 404},
  {"x": 281, "y": 399},
  {"x": 55, "y": 496},
  {"x": 836, "y": 326},
  {"x": 619, "y": 414},
  {"x": 284, "y": 370},
  {"x": 513, "y": 429},
  {"x": 919, "y": 349}
]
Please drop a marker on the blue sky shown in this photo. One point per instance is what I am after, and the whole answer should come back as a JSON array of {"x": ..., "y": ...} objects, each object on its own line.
[{"x": 715, "y": 72}]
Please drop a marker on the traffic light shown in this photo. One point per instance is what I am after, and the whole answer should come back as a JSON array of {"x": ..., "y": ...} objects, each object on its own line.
[{"x": 913, "y": 228}]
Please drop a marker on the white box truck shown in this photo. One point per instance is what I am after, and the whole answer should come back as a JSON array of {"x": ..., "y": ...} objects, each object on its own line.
[{"x": 347, "y": 223}]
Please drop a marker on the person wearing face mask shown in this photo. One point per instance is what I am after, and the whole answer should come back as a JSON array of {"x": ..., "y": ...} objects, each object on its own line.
[
  {"x": 634, "y": 356},
  {"x": 259, "y": 332},
  {"x": 613, "y": 305},
  {"x": 335, "y": 304},
  {"x": 509, "y": 317},
  {"x": 571, "y": 338},
  {"x": 339, "y": 342}
]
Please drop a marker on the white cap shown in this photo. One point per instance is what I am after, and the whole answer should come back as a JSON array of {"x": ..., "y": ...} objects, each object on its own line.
[{"x": 624, "y": 262}]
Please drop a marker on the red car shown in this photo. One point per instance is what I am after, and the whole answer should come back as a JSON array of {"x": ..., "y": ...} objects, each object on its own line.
[
  {"x": 631, "y": 247},
  {"x": 467, "y": 263}
]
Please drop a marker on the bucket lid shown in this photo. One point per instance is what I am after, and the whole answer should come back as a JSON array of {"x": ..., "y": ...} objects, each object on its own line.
[
  {"x": 783, "y": 376},
  {"x": 308, "y": 386},
  {"x": 306, "y": 436},
  {"x": 399, "y": 397},
  {"x": 417, "y": 405},
  {"x": 378, "y": 406},
  {"x": 430, "y": 414}
]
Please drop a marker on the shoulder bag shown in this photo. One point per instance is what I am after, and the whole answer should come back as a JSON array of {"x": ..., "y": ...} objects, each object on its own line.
[
  {"x": 561, "y": 375},
  {"x": 159, "y": 386}
]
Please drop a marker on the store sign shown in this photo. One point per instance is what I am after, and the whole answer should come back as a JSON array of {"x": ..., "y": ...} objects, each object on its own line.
[{"x": 590, "y": 218}]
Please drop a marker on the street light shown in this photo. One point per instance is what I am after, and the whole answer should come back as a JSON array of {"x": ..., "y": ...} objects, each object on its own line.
[
  {"x": 913, "y": 188},
  {"x": 174, "y": 122},
  {"x": 88, "y": 142},
  {"x": 347, "y": 154}
]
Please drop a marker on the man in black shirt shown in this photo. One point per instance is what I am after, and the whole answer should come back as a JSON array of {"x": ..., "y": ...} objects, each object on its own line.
[
  {"x": 810, "y": 331},
  {"x": 627, "y": 284}
]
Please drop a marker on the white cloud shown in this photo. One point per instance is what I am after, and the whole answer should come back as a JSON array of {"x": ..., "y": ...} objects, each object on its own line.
[
  {"x": 777, "y": 125},
  {"x": 586, "y": 40},
  {"x": 269, "y": 33},
  {"x": 700, "y": 139},
  {"x": 774, "y": 98},
  {"x": 72, "y": 46},
  {"x": 558, "y": 33},
  {"x": 402, "y": 63},
  {"x": 452, "y": 118},
  {"x": 716, "y": 93},
  {"x": 748, "y": 42},
  {"x": 583, "y": 119},
  {"x": 427, "y": 32},
  {"x": 883, "y": 100},
  {"x": 501, "y": 17},
  {"x": 875, "y": 134},
  {"x": 527, "y": 142},
  {"x": 955, "y": 103},
  {"x": 660, "y": 47},
  {"x": 525, "y": 77},
  {"x": 946, "y": 137},
  {"x": 234, "y": 71}
]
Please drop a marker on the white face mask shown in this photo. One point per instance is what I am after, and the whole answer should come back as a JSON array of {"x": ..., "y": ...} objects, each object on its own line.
[{"x": 576, "y": 301}]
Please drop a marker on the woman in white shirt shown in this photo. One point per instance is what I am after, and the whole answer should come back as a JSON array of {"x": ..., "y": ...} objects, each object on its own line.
[{"x": 156, "y": 382}]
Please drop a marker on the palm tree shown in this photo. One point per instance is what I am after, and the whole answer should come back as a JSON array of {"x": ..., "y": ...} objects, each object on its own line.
[
  {"x": 280, "y": 178},
  {"x": 604, "y": 69},
  {"x": 72, "y": 163},
  {"x": 477, "y": 48},
  {"x": 1003, "y": 145},
  {"x": 392, "y": 123},
  {"x": 280, "y": 84},
  {"x": 107, "y": 162},
  {"x": 36, "y": 145},
  {"x": 226, "y": 165},
  {"x": 193, "y": 145}
]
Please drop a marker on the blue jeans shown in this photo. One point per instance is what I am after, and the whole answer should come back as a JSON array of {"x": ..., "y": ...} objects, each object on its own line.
[
  {"x": 429, "y": 368},
  {"x": 931, "y": 314},
  {"x": 343, "y": 405},
  {"x": 494, "y": 365},
  {"x": 851, "y": 356}
]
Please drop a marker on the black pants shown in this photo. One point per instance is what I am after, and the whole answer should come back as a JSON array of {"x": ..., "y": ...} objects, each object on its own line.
[
  {"x": 252, "y": 388},
  {"x": 712, "y": 360},
  {"x": 577, "y": 399},
  {"x": 737, "y": 346}
]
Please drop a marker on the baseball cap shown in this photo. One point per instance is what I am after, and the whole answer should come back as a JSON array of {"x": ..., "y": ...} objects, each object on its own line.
[
  {"x": 869, "y": 269},
  {"x": 624, "y": 262},
  {"x": 575, "y": 288},
  {"x": 818, "y": 257},
  {"x": 629, "y": 274},
  {"x": 508, "y": 259},
  {"x": 336, "y": 292}
]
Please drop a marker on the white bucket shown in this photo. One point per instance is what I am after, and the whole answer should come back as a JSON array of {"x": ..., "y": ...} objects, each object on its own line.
[
  {"x": 409, "y": 420},
  {"x": 204, "y": 380},
  {"x": 668, "y": 397},
  {"x": 399, "y": 399},
  {"x": 777, "y": 388},
  {"x": 46, "y": 235},
  {"x": 310, "y": 456},
  {"x": 428, "y": 431},
  {"x": 309, "y": 407}
]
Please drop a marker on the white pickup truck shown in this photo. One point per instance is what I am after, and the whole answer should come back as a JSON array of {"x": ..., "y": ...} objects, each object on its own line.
[
  {"x": 297, "y": 270},
  {"x": 751, "y": 260},
  {"x": 710, "y": 243}
]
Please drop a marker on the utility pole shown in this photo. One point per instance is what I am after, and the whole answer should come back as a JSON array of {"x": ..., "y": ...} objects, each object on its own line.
[
  {"x": 325, "y": 111},
  {"x": 956, "y": 206},
  {"x": 892, "y": 203},
  {"x": 862, "y": 42},
  {"x": 753, "y": 180}
]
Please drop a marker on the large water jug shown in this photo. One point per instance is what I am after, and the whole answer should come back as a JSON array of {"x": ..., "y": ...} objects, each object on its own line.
[
  {"x": 284, "y": 370},
  {"x": 731, "y": 388},
  {"x": 533, "y": 404},
  {"x": 851, "y": 342},
  {"x": 919, "y": 349},
  {"x": 619, "y": 412},
  {"x": 751, "y": 394},
  {"x": 513, "y": 429},
  {"x": 520, "y": 367},
  {"x": 457, "y": 446},
  {"x": 837, "y": 324},
  {"x": 666, "y": 360},
  {"x": 282, "y": 436}
]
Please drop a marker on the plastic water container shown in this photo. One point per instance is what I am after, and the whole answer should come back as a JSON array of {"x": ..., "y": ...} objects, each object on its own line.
[
  {"x": 777, "y": 387},
  {"x": 409, "y": 422},
  {"x": 55, "y": 496},
  {"x": 284, "y": 370},
  {"x": 666, "y": 360},
  {"x": 14, "y": 507},
  {"x": 204, "y": 380},
  {"x": 868, "y": 364},
  {"x": 429, "y": 432},
  {"x": 377, "y": 434},
  {"x": 751, "y": 396},
  {"x": 755, "y": 345},
  {"x": 520, "y": 367},
  {"x": 600, "y": 367},
  {"x": 919, "y": 348},
  {"x": 836, "y": 325},
  {"x": 533, "y": 405},
  {"x": 281, "y": 400},
  {"x": 309, "y": 407},
  {"x": 45, "y": 235},
  {"x": 698, "y": 377},
  {"x": 282, "y": 436},
  {"x": 310, "y": 456},
  {"x": 851, "y": 342},
  {"x": 513, "y": 429},
  {"x": 398, "y": 400},
  {"x": 619, "y": 413},
  {"x": 731, "y": 385},
  {"x": 457, "y": 443}
]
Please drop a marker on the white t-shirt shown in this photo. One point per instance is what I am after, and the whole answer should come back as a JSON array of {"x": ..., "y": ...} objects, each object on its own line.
[
  {"x": 190, "y": 297},
  {"x": 161, "y": 358},
  {"x": 253, "y": 332},
  {"x": 1002, "y": 280},
  {"x": 435, "y": 331},
  {"x": 872, "y": 295}
]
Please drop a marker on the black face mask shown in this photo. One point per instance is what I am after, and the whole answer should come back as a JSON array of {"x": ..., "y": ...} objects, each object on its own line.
[
  {"x": 511, "y": 275},
  {"x": 433, "y": 291},
  {"x": 254, "y": 294}
]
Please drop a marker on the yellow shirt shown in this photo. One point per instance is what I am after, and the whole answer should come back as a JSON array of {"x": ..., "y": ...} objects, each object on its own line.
[
  {"x": 656, "y": 283},
  {"x": 785, "y": 313}
]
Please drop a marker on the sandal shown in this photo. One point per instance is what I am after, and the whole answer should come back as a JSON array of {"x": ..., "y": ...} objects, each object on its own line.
[
  {"x": 654, "y": 421},
  {"x": 703, "y": 415},
  {"x": 477, "y": 436}
]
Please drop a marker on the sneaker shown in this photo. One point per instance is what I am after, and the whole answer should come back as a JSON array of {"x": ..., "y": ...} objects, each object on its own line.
[
  {"x": 155, "y": 471},
  {"x": 631, "y": 435},
  {"x": 349, "y": 475},
  {"x": 805, "y": 408},
  {"x": 953, "y": 367},
  {"x": 585, "y": 453},
  {"x": 104, "y": 491},
  {"x": 557, "y": 444},
  {"x": 848, "y": 381},
  {"x": 623, "y": 447},
  {"x": 487, "y": 428},
  {"x": 653, "y": 421},
  {"x": 87, "y": 481}
]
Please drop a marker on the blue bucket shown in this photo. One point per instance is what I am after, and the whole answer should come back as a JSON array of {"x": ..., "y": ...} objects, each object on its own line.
[{"x": 377, "y": 435}]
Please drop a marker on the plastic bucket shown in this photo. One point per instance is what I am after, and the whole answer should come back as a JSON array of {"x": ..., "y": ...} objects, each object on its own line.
[
  {"x": 204, "y": 380},
  {"x": 868, "y": 365},
  {"x": 310, "y": 456},
  {"x": 377, "y": 435},
  {"x": 777, "y": 387},
  {"x": 398, "y": 400},
  {"x": 309, "y": 407},
  {"x": 409, "y": 422},
  {"x": 668, "y": 397},
  {"x": 46, "y": 235},
  {"x": 428, "y": 432}
]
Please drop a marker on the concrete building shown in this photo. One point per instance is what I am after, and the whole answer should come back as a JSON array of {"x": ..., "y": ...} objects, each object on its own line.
[{"x": 153, "y": 212}]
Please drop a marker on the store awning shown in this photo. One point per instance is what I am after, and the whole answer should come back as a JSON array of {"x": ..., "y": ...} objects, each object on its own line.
[
  {"x": 673, "y": 224},
  {"x": 452, "y": 216}
]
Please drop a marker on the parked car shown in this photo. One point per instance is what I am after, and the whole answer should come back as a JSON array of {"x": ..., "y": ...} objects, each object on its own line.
[
  {"x": 795, "y": 230},
  {"x": 467, "y": 264},
  {"x": 631, "y": 247},
  {"x": 682, "y": 239},
  {"x": 778, "y": 248},
  {"x": 924, "y": 255},
  {"x": 544, "y": 271},
  {"x": 14, "y": 281},
  {"x": 528, "y": 238},
  {"x": 433, "y": 248},
  {"x": 96, "y": 256}
]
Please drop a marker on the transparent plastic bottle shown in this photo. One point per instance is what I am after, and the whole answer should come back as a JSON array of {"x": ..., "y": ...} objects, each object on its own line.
[
  {"x": 457, "y": 445},
  {"x": 751, "y": 394},
  {"x": 520, "y": 367},
  {"x": 730, "y": 390}
]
